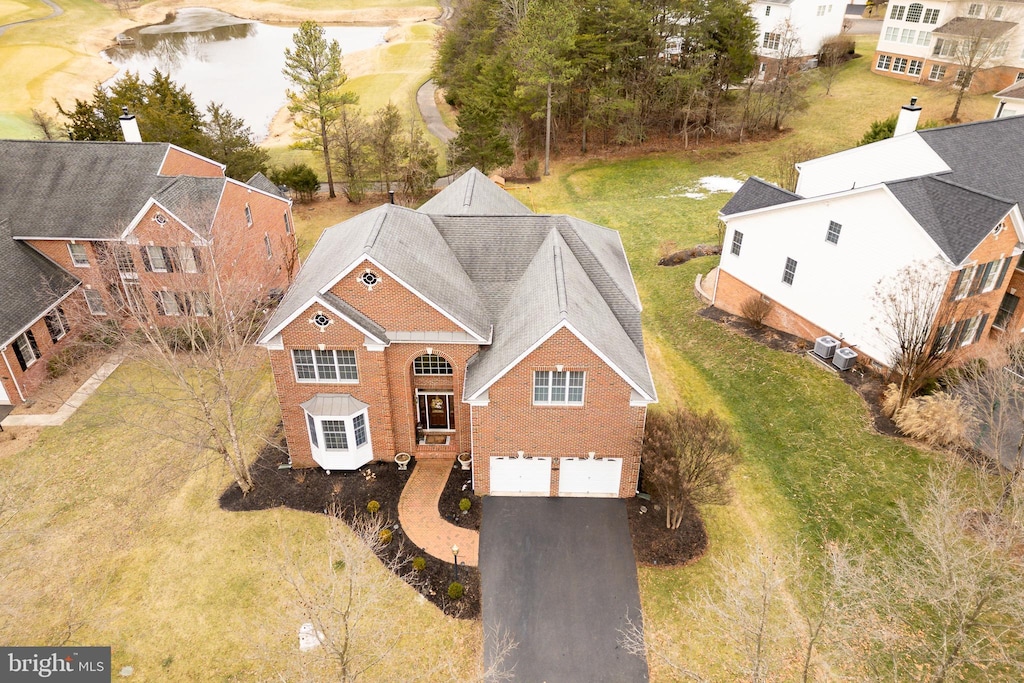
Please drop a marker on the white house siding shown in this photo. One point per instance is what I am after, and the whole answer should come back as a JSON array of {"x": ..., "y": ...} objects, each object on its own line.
[
  {"x": 803, "y": 14},
  {"x": 901, "y": 157},
  {"x": 834, "y": 283}
]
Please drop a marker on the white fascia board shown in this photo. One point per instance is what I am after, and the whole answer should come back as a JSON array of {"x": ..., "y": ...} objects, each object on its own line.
[
  {"x": 533, "y": 347},
  {"x": 1017, "y": 219},
  {"x": 256, "y": 189},
  {"x": 268, "y": 337},
  {"x": 366, "y": 257},
  {"x": 481, "y": 400},
  {"x": 275, "y": 343},
  {"x": 801, "y": 202},
  {"x": 145, "y": 208}
]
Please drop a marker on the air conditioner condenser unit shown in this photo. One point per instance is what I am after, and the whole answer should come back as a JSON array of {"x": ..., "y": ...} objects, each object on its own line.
[
  {"x": 825, "y": 346},
  {"x": 844, "y": 358}
]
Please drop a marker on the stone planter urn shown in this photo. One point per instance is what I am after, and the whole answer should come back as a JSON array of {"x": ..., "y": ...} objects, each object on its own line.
[
  {"x": 465, "y": 460},
  {"x": 403, "y": 460}
]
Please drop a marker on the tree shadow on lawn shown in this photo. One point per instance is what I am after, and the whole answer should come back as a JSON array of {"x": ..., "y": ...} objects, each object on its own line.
[{"x": 313, "y": 490}]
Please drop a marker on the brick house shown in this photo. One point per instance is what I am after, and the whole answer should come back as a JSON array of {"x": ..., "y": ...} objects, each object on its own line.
[
  {"x": 87, "y": 228},
  {"x": 470, "y": 325},
  {"x": 928, "y": 42},
  {"x": 947, "y": 197}
]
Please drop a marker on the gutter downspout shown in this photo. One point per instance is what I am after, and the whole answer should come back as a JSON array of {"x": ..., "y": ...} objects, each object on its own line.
[{"x": 3, "y": 352}]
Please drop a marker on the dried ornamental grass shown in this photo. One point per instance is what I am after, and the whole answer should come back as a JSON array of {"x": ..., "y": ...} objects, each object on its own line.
[{"x": 940, "y": 420}]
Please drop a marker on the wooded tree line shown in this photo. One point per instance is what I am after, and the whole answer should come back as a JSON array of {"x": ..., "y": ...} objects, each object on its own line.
[{"x": 614, "y": 71}]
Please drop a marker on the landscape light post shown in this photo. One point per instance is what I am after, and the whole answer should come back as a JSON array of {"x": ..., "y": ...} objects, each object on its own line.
[{"x": 455, "y": 553}]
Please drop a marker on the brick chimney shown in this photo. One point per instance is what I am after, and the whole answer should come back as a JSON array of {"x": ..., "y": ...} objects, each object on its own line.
[
  {"x": 909, "y": 116},
  {"x": 129, "y": 126}
]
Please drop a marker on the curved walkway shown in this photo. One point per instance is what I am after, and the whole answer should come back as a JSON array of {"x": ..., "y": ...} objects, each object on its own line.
[
  {"x": 57, "y": 11},
  {"x": 421, "y": 521},
  {"x": 431, "y": 116}
]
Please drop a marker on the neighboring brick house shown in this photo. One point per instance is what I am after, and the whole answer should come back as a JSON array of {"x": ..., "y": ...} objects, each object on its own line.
[
  {"x": 949, "y": 197},
  {"x": 88, "y": 227},
  {"x": 470, "y": 325},
  {"x": 929, "y": 42}
]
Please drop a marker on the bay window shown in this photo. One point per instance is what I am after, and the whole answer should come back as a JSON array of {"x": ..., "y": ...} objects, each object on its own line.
[{"x": 339, "y": 435}]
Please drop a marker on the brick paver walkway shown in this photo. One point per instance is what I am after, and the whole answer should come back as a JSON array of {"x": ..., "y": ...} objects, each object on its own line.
[{"x": 422, "y": 523}]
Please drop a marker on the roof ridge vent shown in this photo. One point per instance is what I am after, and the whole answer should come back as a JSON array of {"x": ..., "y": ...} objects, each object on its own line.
[
  {"x": 563, "y": 306},
  {"x": 467, "y": 199},
  {"x": 377, "y": 225}
]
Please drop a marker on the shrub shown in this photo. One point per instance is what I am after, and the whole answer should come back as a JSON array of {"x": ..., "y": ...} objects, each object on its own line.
[
  {"x": 419, "y": 564},
  {"x": 465, "y": 504},
  {"x": 188, "y": 338},
  {"x": 756, "y": 309},
  {"x": 107, "y": 334},
  {"x": 372, "y": 507},
  {"x": 890, "y": 399},
  {"x": 531, "y": 168},
  {"x": 385, "y": 536},
  {"x": 940, "y": 420},
  {"x": 299, "y": 178},
  {"x": 455, "y": 590},
  {"x": 65, "y": 359}
]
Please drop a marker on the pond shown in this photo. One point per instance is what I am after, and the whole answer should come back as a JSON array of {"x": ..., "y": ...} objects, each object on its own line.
[{"x": 219, "y": 57}]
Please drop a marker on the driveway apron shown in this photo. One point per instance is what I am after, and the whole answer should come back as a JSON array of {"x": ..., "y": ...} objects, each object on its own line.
[{"x": 559, "y": 577}]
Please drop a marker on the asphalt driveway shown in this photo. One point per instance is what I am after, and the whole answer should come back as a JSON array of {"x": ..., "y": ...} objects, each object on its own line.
[{"x": 558, "y": 575}]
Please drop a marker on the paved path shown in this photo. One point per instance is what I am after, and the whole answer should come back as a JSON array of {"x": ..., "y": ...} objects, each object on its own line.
[
  {"x": 559, "y": 578},
  {"x": 431, "y": 116},
  {"x": 72, "y": 404},
  {"x": 421, "y": 521},
  {"x": 57, "y": 11}
]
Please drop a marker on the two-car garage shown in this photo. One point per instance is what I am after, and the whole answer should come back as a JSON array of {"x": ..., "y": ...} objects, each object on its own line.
[{"x": 532, "y": 476}]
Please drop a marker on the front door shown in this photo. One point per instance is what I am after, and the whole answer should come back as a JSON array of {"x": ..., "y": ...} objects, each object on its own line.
[{"x": 436, "y": 417}]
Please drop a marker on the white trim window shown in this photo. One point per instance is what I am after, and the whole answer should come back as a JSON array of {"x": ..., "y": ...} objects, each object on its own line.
[
  {"x": 892, "y": 34},
  {"x": 287, "y": 224},
  {"x": 914, "y": 12},
  {"x": 915, "y": 67},
  {"x": 931, "y": 16},
  {"x": 964, "y": 281},
  {"x": 789, "y": 272},
  {"x": 924, "y": 38},
  {"x": 899, "y": 65},
  {"x": 187, "y": 260},
  {"x": 267, "y": 246},
  {"x": 248, "y": 216},
  {"x": 94, "y": 300},
  {"x": 79, "y": 257},
  {"x": 56, "y": 324},
  {"x": 975, "y": 9},
  {"x": 340, "y": 442},
  {"x": 884, "y": 62},
  {"x": 26, "y": 350},
  {"x": 737, "y": 243},
  {"x": 431, "y": 364},
  {"x": 832, "y": 236},
  {"x": 771, "y": 41},
  {"x": 907, "y": 35},
  {"x": 897, "y": 12},
  {"x": 313, "y": 365},
  {"x": 155, "y": 260},
  {"x": 166, "y": 303},
  {"x": 937, "y": 72},
  {"x": 554, "y": 387}
]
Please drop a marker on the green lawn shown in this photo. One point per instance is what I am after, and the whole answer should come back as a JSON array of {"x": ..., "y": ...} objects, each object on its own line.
[
  {"x": 119, "y": 541},
  {"x": 814, "y": 468}
]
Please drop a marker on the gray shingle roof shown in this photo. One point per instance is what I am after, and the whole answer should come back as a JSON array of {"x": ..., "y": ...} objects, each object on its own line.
[
  {"x": 523, "y": 274},
  {"x": 473, "y": 193},
  {"x": 974, "y": 27},
  {"x": 262, "y": 182},
  {"x": 77, "y": 190},
  {"x": 956, "y": 218},
  {"x": 757, "y": 194},
  {"x": 29, "y": 284},
  {"x": 356, "y": 316},
  {"x": 1015, "y": 91},
  {"x": 341, "y": 405},
  {"x": 193, "y": 200}
]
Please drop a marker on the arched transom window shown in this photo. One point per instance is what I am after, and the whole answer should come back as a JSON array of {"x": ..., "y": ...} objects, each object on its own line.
[{"x": 431, "y": 364}]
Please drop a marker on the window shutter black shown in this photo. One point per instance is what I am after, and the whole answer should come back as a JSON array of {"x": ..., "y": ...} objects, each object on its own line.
[
  {"x": 17, "y": 354},
  {"x": 159, "y": 303},
  {"x": 979, "y": 278},
  {"x": 956, "y": 336},
  {"x": 1002, "y": 273},
  {"x": 956, "y": 285},
  {"x": 981, "y": 328},
  {"x": 52, "y": 326},
  {"x": 145, "y": 259},
  {"x": 63, "y": 319},
  {"x": 169, "y": 259}
]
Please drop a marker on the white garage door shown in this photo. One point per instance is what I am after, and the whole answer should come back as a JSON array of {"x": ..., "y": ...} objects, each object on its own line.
[
  {"x": 583, "y": 477},
  {"x": 520, "y": 476}
]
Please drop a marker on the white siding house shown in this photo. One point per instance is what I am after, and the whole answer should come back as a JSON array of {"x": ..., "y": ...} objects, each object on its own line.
[{"x": 812, "y": 21}]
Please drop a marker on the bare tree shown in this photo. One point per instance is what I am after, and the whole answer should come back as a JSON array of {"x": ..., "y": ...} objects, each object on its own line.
[
  {"x": 976, "y": 39},
  {"x": 190, "y": 314},
  {"x": 913, "y": 318},
  {"x": 46, "y": 124},
  {"x": 949, "y": 603},
  {"x": 831, "y": 58},
  {"x": 688, "y": 457}
]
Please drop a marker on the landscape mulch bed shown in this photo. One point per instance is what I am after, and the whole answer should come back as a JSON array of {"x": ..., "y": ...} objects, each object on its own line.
[
  {"x": 654, "y": 545},
  {"x": 459, "y": 486},
  {"x": 864, "y": 380},
  {"x": 313, "y": 490}
]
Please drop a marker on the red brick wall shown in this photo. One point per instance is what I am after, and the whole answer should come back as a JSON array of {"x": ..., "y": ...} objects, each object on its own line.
[
  {"x": 390, "y": 304},
  {"x": 179, "y": 162},
  {"x": 246, "y": 243},
  {"x": 985, "y": 80},
  {"x": 605, "y": 424},
  {"x": 31, "y": 378}
]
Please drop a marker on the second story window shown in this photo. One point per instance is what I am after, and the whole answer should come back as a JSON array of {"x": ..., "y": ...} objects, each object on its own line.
[
  {"x": 431, "y": 364},
  {"x": 914, "y": 11},
  {"x": 325, "y": 366},
  {"x": 78, "y": 255},
  {"x": 975, "y": 9},
  {"x": 897, "y": 12},
  {"x": 248, "y": 215},
  {"x": 771, "y": 41},
  {"x": 789, "y": 272},
  {"x": 551, "y": 387},
  {"x": 737, "y": 243},
  {"x": 931, "y": 16},
  {"x": 833, "y": 232}
]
